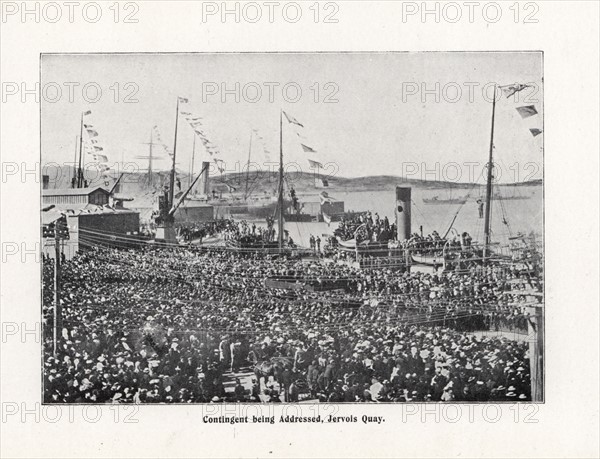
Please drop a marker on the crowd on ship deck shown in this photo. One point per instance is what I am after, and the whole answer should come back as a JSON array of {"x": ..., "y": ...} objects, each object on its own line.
[{"x": 368, "y": 227}]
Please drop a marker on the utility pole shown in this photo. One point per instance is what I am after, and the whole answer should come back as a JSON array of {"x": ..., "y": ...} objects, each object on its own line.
[
  {"x": 536, "y": 352},
  {"x": 280, "y": 197},
  {"x": 57, "y": 307}
]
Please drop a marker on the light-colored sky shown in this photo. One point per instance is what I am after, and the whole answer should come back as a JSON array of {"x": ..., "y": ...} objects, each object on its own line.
[{"x": 375, "y": 125}]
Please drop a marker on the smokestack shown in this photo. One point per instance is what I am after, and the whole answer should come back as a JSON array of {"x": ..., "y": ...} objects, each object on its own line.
[
  {"x": 403, "y": 201},
  {"x": 204, "y": 183}
]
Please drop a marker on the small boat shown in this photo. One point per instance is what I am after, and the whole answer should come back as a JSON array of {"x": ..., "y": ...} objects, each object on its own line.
[
  {"x": 428, "y": 259},
  {"x": 368, "y": 248},
  {"x": 437, "y": 200},
  {"x": 498, "y": 197}
]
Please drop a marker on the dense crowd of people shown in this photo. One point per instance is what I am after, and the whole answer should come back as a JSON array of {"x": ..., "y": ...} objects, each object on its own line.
[
  {"x": 251, "y": 234},
  {"x": 243, "y": 231},
  {"x": 171, "y": 325},
  {"x": 190, "y": 231},
  {"x": 365, "y": 226}
]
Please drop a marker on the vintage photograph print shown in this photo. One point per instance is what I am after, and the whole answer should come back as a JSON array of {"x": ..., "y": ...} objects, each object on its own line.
[{"x": 292, "y": 227}]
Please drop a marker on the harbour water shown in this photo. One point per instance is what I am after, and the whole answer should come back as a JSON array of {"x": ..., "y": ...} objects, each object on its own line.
[{"x": 509, "y": 216}]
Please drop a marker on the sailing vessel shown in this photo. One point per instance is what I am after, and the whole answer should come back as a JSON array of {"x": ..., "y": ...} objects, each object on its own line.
[
  {"x": 246, "y": 204},
  {"x": 278, "y": 246},
  {"x": 439, "y": 258}
]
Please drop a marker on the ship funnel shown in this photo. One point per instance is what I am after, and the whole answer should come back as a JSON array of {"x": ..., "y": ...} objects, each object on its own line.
[
  {"x": 204, "y": 183},
  {"x": 403, "y": 202}
]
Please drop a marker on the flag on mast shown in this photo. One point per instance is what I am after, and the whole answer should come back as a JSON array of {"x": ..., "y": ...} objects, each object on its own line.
[
  {"x": 527, "y": 111},
  {"x": 535, "y": 132},
  {"x": 101, "y": 158},
  {"x": 219, "y": 163},
  {"x": 512, "y": 89},
  {"x": 315, "y": 164},
  {"x": 307, "y": 149},
  {"x": 292, "y": 120}
]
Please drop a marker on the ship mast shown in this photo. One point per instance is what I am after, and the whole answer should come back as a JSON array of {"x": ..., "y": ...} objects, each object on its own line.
[
  {"x": 75, "y": 170},
  {"x": 488, "y": 190},
  {"x": 248, "y": 167},
  {"x": 193, "y": 159},
  {"x": 172, "y": 181},
  {"x": 280, "y": 197},
  {"x": 79, "y": 170},
  {"x": 150, "y": 159}
]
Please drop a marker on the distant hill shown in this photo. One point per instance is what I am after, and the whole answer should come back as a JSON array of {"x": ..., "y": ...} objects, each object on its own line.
[{"x": 259, "y": 182}]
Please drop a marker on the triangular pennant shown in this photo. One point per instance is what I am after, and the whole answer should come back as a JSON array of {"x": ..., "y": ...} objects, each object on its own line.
[
  {"x": 535, "y": 132},
  {"x": 292, "y": 120}
]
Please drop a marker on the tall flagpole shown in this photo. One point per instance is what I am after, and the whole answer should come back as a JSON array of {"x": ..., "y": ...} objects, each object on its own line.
[
  {"x": 172, "y": 182},
  {"x": 57, "y": 325},
  {"x": 280, "y": 198},
  {"x": 488, "y": 190}
]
